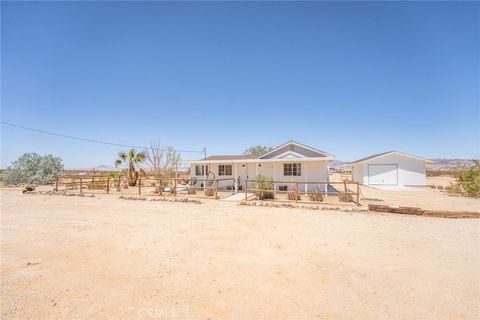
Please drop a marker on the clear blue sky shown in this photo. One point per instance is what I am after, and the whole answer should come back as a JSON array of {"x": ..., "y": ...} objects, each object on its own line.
[{"x": 350, "y": 78}]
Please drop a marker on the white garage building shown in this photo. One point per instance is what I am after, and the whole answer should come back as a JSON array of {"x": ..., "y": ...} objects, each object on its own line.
[{"x": 390, "y": 168}]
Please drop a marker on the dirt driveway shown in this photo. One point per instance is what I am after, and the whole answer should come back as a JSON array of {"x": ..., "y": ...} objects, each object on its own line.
[{"x": 97, "y": 258}]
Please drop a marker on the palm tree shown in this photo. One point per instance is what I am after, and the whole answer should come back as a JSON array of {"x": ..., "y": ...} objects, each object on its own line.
[{"x": 132, "y": 158}]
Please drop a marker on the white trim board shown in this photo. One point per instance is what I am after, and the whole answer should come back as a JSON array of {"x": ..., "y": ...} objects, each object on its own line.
[{"x": 297, "y": 144}]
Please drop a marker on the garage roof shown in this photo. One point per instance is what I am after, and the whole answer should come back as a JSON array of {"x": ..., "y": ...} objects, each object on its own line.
[{"x": 379, "y": 155}]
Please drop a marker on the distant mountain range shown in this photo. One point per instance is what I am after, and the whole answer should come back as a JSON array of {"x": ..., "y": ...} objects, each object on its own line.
[
  {"x": 449, "y": 164},
  {"x": 439, "y": 164}
]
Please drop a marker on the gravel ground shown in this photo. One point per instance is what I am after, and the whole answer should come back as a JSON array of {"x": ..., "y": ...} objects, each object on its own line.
[{"x": 101, "y": 257}]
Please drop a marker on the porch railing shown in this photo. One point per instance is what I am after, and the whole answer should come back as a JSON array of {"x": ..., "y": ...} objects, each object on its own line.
[
  {"x": 296, "y": 190},
  {"x": 210, "y": 187}
]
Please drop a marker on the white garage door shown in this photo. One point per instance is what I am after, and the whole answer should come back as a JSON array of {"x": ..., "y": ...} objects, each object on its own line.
[{"x": 383, "y": 174}]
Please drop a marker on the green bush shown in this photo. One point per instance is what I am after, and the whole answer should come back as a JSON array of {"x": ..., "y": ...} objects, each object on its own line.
[
  {"x": 467, "y": 182},
  {"x": 264, "y": 183},
  {"x": 33, "y": 168}
]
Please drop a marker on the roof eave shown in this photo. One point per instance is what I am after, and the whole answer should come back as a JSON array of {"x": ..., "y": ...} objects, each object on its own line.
[{"x": 259, "y": 160}]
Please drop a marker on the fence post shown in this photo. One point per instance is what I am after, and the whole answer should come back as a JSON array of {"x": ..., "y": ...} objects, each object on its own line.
[
  {"x": 296, "y": 192},
  {"x": 358, "y": 194},
  {"x": 81, "y": 185},
  {"x": 216, "y": 189},
  {"x": 108, "y": 185},
  {"x": 139, "y": 186},
  {"x": 56, "y": 185},
  {"x": 246, "y": 187}
]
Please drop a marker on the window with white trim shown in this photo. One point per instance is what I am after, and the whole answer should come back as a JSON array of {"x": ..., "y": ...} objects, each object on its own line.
[
  {"x": 292, "y": 169},
  {"x": 224, "y": 169},
  {"x": 200, "y": 170}
]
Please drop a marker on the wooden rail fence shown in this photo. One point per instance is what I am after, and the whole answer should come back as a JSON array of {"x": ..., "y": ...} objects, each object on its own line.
[
  {"x": 274, "y": 190},
  {"x": 211, "y": 188},
  {"x": 172, "y": 185}
]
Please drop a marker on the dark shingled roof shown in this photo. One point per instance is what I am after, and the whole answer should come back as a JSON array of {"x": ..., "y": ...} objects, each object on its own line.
[{"x": 237, "y": 157}]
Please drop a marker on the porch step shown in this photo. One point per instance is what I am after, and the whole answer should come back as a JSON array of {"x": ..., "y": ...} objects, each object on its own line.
[{"x": 237, "y": 197}]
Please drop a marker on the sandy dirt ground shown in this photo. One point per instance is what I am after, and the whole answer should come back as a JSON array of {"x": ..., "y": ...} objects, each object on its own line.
[
  {"x": 105, "y": 258},
  {"x": 423, "y": 197},
  {"x": 443, "y": 181}
]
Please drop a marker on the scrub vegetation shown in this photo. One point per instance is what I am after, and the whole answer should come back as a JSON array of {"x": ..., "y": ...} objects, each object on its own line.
[
  {"x": 467, "y": 181},
  {"x": 264, "y": 184},
  {"x": 32, "y": 168},
  {"x": 257, "y": 150}
]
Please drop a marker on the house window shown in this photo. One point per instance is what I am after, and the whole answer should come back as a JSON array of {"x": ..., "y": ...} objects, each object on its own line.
[
  {"x": 292, "y": 169},
  {"x": 225, "y": 170},
  {"x": 200, "y": 170}
]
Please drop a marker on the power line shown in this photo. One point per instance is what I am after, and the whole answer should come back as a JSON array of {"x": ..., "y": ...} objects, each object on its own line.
[{"x": 84, "y": 139}]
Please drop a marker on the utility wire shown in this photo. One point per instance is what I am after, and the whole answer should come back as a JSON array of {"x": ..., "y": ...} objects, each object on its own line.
[{"x": 84, "y": 139}]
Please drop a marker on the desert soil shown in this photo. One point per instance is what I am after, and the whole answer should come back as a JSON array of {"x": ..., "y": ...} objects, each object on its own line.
[
  {"x": 423, "y": 197},
  {"x": 105, "y": 258}
]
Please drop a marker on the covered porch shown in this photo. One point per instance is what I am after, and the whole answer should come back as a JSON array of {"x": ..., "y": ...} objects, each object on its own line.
[{"x": 239, "y": 173}]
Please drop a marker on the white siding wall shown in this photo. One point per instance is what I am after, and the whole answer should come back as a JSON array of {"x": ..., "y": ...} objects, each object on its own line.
[
  {"x": 315, "y": 171},
  {"x": 411, "y": 172},
  {"x": 214, "y": 168},
  {"x": 358, "y": 173}
]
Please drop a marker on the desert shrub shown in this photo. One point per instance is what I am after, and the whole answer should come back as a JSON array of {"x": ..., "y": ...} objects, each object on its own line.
[
  {"x": 316, "y": 195},
  {"x": 344, "y": 197},
  {"x": 265, "y": 184},
  {"x": 293, "y": 194},
  {"x": 467, "y": 182},
  {"x": 209, "y": 192},
  {"x": 33, "y": 168},
  {"x": 191, "y": 190},
  {"x": 437, "y": 173},
  {"x": 71, "y": 185},
  {"x": 97, "y": 185},
  {"x": 116, "y": 179}
]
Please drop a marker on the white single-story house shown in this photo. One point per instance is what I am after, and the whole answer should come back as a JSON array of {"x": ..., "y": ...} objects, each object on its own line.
[
  {"x": 290, "y": 162},
  {"x": 390, "y": 168}
]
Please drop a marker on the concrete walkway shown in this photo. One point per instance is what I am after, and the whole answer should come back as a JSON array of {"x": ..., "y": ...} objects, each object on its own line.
[
  {"x": 397, "y": 188},
  {"x": 237, "y": 197}
]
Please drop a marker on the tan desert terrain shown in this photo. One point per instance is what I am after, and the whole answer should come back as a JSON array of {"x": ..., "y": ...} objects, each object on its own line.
[
  {"x": 105, "y": 258},
  {"x": 425, "y": 198}
]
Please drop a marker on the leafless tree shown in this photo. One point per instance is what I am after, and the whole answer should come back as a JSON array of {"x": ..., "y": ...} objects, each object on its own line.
[{"x": 157, "y": 159}]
